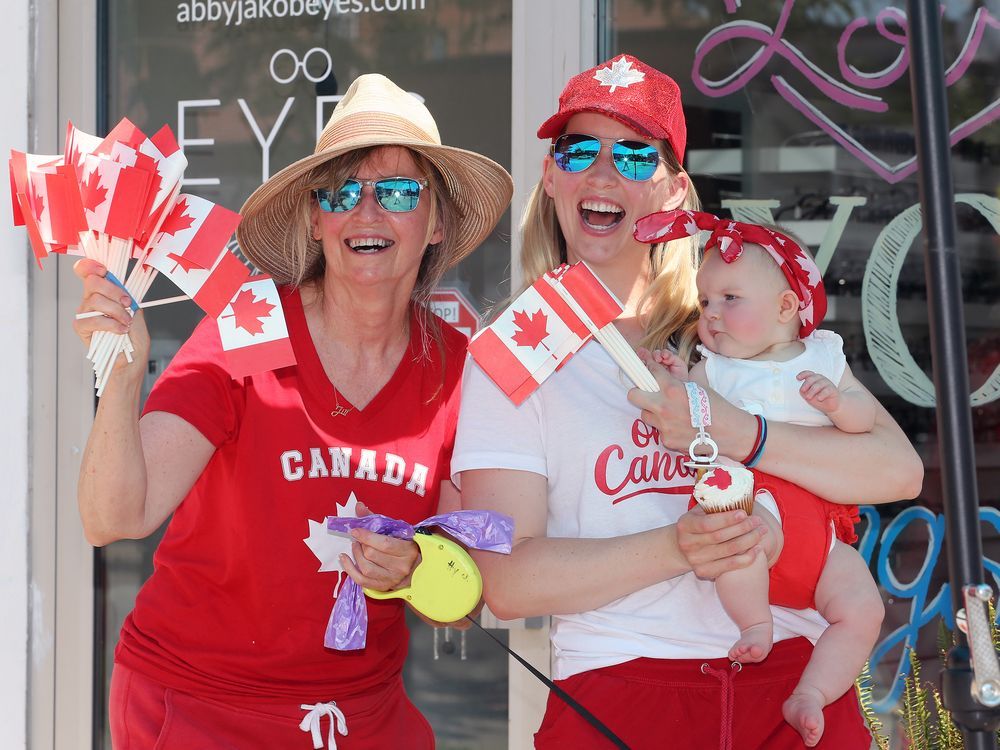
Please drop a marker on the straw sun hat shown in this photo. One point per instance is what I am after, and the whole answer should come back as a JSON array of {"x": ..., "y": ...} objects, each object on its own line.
[{"x": 373, "y": 112}]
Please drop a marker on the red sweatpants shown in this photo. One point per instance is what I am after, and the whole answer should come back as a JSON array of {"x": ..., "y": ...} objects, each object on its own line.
[
  {"x": 148, "y": 716},
  {"x": 697, "y": 704}
]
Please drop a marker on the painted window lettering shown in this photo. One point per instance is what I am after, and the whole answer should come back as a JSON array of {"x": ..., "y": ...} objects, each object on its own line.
[
  {"x": 887, "y": 346},
  {"x": 774, "y": 44},
  {"x": 315, "y": 65},
  {"x": 236, "y": 12},
  {"x": 926, "y": 605},
  {"x": 285, "y": 66}
]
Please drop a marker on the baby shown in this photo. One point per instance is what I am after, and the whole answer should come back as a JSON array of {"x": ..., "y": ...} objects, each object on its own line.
[{"x": 761, "y": 298}]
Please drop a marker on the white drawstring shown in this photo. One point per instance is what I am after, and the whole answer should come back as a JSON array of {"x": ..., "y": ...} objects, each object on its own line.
[{"x": 310, "y": 723}]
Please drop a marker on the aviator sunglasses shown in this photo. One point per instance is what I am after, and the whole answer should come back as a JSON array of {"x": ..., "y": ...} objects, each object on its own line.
[
  {"x": 634, "y": 160},
  {"x": 395, "y": 194}
]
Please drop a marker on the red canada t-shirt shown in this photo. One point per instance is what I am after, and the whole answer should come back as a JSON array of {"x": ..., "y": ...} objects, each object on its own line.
[{"x": 236, "y": 605}]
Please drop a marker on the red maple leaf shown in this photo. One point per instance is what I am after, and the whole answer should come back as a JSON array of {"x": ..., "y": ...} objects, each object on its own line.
[
  {"x": 720, "y": 478},
  {"x": 186, "y": 263},
  {"x": 92, "y": 193},
  {"x": 532, "y": 328},
  {"x": 249, "y": 311},
  {"x": 177, "y": 220},
  {"x": 38, "y": 204}
]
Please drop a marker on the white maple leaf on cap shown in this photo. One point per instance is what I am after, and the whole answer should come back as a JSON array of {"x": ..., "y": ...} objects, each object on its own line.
[{"x": 621, "y": 73}]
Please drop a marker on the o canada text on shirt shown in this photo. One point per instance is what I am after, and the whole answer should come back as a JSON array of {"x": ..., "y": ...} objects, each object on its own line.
[
  {"x": 335, "y": 462},
  {"x": 624, "y": 475}
]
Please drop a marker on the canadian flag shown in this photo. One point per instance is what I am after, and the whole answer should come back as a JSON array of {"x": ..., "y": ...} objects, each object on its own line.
[
  {"x": 21, "y": 165},
  {"x": 25, "y": 210},
  {"x": 170, "y": 159},
  {"x": 542, "y": 328},
  {"x": 253, "y": 331},
  {"x": 113, "y": 196},
  {"x": 124, "y": 132},
  {"x": 211, "y": 288},
  {"x": 57, "y": 206},
  {"x": 170, "y": 164},
  {"x": 18, "y": 215},
  {"x": 165, "y": 171},
  {"x": 190, "y": 250},
  {"x": 194, "y": 231},
  {"x": 78, "y": 146}
]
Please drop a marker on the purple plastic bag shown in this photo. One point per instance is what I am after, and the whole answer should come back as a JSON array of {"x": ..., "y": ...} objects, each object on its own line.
[{"x": 479, "y": 529}]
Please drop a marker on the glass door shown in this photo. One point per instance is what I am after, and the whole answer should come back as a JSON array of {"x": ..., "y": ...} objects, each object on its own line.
[
  {"x": 800, "y": 114},
  {"x": 247, "y": 87}
]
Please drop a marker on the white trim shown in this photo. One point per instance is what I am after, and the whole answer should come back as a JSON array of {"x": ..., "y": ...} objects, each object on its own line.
[
  {"x": 14, "y": 264},
  {"x": 552, "y": 41},
  {"x": 61, "y": 642}
]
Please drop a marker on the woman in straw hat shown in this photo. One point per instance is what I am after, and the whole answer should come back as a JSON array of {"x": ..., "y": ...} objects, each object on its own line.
[
  {"x": 597, "y": 488},
  {"x": 225, "y": 645}
]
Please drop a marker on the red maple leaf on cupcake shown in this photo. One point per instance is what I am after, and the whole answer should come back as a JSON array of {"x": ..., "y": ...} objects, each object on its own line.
[{"x": 720, "y": 478}]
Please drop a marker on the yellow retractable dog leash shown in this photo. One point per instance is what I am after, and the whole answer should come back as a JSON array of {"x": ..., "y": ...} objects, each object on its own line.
[{"x": 445, "y": 586}]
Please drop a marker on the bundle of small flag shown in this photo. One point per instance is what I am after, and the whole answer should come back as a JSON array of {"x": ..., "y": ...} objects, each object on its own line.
[
  {"x": 546, "y": 324},
  {"x": 117, "y": 199}
]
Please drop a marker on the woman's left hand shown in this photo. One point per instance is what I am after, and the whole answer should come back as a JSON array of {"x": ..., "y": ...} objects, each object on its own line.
[{"x": 381, "y": 563}]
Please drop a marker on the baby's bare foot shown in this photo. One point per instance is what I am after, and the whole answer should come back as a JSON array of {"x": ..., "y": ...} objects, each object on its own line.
[
  {"x": 804, "y": 711},
  {"x": 754, "y": 644}
]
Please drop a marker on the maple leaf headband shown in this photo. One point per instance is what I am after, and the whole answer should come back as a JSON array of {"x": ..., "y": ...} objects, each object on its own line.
[{"x": 799, "y": 269}]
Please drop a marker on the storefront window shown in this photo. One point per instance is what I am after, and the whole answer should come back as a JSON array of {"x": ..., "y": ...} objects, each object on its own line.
[
  {"x": 800, "y": 113},
  {"x": 246, "y": 87}
]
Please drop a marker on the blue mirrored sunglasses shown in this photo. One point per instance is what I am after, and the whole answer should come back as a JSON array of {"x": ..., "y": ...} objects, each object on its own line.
[
  {"x": 634, "y": 160},
  {"x": 395, "y": 194}
]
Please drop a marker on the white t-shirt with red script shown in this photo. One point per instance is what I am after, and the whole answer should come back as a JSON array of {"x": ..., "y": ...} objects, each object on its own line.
[
  {"x": 608, "y": 475},
  {"x": 238, "y": 603}
]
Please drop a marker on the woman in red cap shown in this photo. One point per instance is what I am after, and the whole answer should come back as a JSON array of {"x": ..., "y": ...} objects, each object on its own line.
[{"x": 603, "y": 539}]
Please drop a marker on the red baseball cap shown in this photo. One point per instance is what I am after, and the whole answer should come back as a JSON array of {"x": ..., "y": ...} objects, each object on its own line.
[{"x": 627, "y": 90}]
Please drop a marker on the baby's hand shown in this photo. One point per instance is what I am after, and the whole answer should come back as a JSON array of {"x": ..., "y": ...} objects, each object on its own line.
[
  {"x": 819, "y": 392},
  {"x": 674, "y": 364}
]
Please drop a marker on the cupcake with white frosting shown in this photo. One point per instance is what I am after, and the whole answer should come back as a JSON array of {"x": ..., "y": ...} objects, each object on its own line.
[{"x": 725, "y": 488}]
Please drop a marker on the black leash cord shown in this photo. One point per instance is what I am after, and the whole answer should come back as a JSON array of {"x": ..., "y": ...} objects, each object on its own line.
[{"x": 596, "y": 723}]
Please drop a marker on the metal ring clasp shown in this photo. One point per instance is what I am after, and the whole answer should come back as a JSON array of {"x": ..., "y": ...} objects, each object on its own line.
[{"x": 703, "y": 439}]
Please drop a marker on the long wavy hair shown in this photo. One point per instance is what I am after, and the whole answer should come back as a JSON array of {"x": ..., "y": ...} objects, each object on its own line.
[{"x": 668, "y": 309}]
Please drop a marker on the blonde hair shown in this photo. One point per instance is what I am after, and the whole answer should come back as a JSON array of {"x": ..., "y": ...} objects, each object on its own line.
[{"x": 668, "y": 309}]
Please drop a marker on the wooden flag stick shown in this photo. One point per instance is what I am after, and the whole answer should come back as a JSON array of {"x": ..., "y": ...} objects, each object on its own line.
[
  {"x": 615, "y": 344},
  {"x": 164, "y": 301},
  {"x": 137, "y": 284}
]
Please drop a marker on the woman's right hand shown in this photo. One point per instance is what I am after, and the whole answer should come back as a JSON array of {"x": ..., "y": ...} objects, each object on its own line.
[
  {"x": 719, "y": 542},
  {"x": 100, "y": 295}
]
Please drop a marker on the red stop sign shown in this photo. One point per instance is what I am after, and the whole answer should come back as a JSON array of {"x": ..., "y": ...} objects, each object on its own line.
[{"x": 451, "y": 306}]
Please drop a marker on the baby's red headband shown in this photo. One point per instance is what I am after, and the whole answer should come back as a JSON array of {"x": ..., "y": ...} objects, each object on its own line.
[{"x": 798, "y": 267}]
